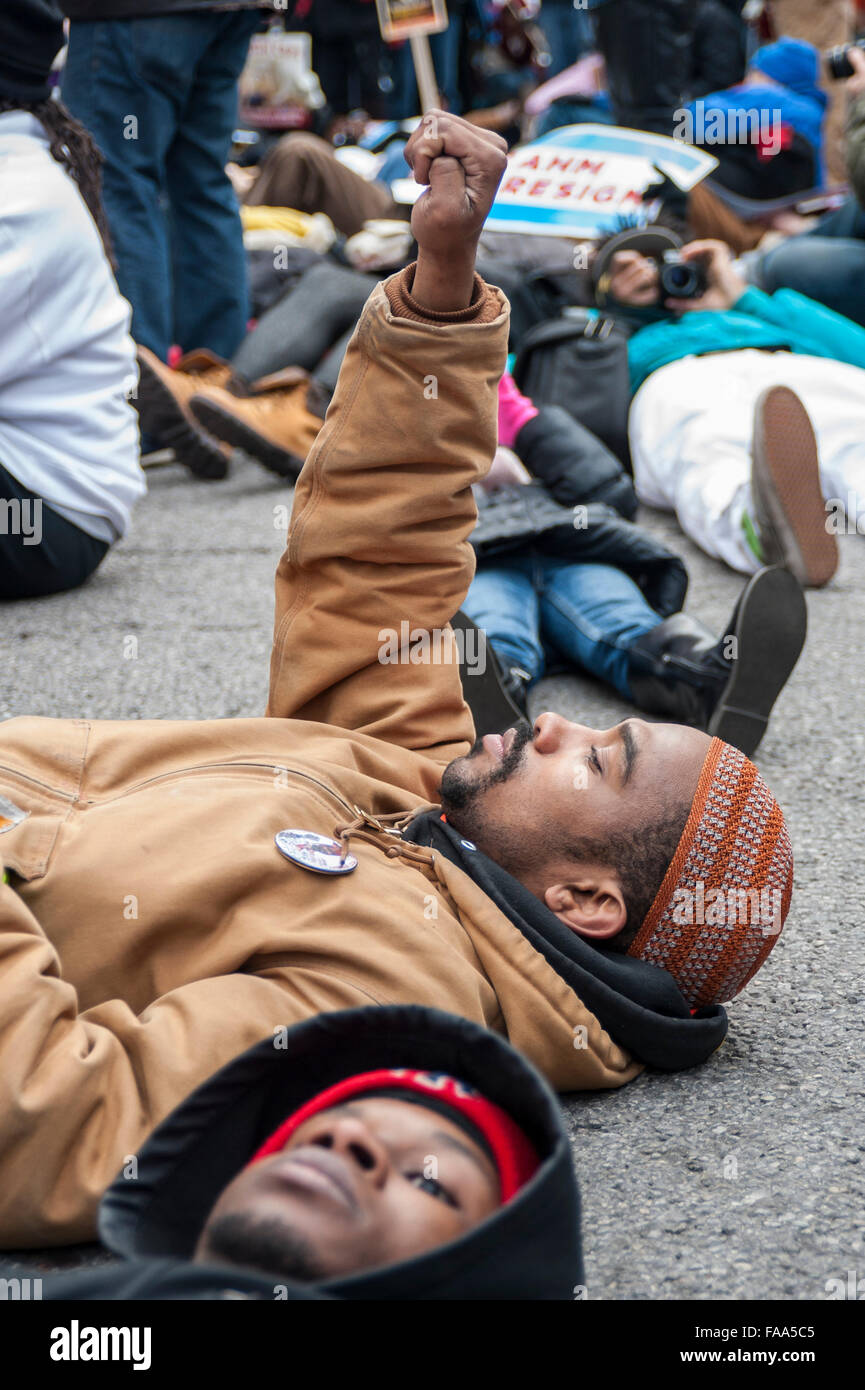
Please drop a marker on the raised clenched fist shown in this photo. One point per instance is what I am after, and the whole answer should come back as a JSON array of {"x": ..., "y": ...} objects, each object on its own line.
[{"x": 462, "y": 166}]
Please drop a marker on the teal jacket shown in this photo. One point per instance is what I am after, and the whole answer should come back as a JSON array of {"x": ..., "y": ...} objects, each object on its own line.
[{"x": 784, "y": 319}]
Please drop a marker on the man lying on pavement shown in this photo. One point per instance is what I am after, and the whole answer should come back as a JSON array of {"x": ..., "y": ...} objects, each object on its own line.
[
  {"x": 379, "y": 1153},
  {"x": 178, "y": 889}
]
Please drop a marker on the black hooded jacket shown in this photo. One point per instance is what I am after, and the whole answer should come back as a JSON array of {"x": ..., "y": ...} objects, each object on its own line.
[
  {"x": 572, "y": 469},
  {"x": 528, "y": 1249},
  {"x": 524, "y": 515},
  {"x": 719, "y": 51},
  {"x": 639, "y": 1005}
]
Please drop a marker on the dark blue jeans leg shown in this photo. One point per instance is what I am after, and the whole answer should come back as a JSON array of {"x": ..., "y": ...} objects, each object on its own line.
[
  {"x": 568, "y": 32},
  {"x": 846, "y": 221},
  {"x": 211, "y": 296},
  {"x": 133, "y": 123},
  {"x": 503, "y": 601},
  {"x": 591, "y": 615},
  {"x": 830, "y": 270}
]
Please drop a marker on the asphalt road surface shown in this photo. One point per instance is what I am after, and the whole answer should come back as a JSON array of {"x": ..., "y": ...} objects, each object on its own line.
[{"x": 743, "y": 1179}]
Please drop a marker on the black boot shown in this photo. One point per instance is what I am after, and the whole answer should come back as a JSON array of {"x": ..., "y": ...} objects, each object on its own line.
[
  {"x": 495, "y": 696},
  {"x": 726, "y": 686}
]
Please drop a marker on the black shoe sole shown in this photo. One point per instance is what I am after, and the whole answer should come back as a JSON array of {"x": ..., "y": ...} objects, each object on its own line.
[
  {"x": 164, "y": 418},
  {"x": 493, "y": 710},
  {"x": 228, "y": 427},
  {"x": 770, "y": 629}
]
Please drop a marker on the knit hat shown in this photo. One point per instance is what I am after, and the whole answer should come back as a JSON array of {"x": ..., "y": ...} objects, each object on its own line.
[
  {"x": 31, "y": 36},
  {"x": 793, "y": 63},
  {"x": 487, "y": 1124},
  {"x": 726, "y": 894}
]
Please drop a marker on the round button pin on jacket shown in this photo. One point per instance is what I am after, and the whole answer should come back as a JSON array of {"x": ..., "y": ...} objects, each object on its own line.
[{"x": 318, "y": 853}]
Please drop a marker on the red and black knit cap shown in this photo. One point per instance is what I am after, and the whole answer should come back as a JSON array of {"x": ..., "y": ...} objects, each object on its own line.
[
  {"x": 511, "y": 1152},
  {"x": 726, "y": 894}
]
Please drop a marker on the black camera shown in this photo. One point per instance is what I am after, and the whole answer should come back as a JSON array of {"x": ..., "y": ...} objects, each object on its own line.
[
  {"x": 838, "y": 63},
  {"x": 682, "y": 279}
]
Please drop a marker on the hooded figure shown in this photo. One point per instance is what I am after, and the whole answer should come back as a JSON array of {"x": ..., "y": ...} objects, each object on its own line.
[{"x": 527, "y": 1247}]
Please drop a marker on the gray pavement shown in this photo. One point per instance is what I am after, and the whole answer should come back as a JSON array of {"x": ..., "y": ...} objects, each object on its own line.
[{"x": 743, "y": 1179}]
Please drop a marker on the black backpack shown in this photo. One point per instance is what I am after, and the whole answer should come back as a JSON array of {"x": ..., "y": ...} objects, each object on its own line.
[{"x": 580, "y": 362}]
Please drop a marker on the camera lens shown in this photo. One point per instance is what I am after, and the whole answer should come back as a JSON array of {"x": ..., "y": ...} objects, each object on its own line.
[
  {"x": 838, "y": 62},
  {"x": 680, "y": 280},
  {"x": 679, "y": 277}
]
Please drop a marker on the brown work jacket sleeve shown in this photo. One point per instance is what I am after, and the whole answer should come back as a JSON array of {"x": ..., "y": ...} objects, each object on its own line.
[
  {"x": 78, "y": 1092},
  {"x": 377, "y": 560}
]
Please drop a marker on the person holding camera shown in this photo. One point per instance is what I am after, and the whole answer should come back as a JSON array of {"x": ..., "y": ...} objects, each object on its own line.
[
  {"x": 748, "y": 409},
  {"x": 826, "y": 24},
  {"x": 827, "y": 262},
  {"x": 855, "y": 148}
]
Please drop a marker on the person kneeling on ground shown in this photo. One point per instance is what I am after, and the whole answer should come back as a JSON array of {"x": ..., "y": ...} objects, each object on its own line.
[
  {"x": 264, "y": 870},
  {"x": 382, "y": 1153}
]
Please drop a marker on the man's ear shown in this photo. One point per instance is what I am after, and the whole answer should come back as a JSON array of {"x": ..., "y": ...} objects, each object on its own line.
[{"x": 591, "y": 904}]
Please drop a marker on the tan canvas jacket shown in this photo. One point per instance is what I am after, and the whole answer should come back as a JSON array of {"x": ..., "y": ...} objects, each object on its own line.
[{"x": 151, "y": 930}]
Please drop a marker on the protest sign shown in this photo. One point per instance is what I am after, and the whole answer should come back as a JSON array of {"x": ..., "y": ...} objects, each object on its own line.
[{"x": 581, "y": 180}]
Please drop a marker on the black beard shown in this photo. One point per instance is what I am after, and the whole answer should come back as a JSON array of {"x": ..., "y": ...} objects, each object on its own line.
[
  {"x": 461, "y": 793},
  {"x": 238, "y": 1239}
]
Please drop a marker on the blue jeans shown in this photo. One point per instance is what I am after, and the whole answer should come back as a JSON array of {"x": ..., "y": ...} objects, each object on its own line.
[
  {"x": 826, "y": 264},
  {"x": 159, "y": 96},
  {"x": 568, "y": 32},
  {"x": 536, "y": 610}
]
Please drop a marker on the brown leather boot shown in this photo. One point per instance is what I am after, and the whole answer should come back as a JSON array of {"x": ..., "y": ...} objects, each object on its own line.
[
  {"x": 163, "y": 408},
  {"x": 274, "y": 425}
]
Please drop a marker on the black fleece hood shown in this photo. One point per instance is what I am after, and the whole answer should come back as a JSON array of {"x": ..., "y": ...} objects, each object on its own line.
[
  {"x": 638, "y": 1004},
  {"x": 528, "y": 1249}
]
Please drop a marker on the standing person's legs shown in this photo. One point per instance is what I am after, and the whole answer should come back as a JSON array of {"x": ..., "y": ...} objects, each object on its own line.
[
  {"x": 40, "y": 551},
  {"x": 211, "y": 298},
  {"x": 502, "y": 600},
  {"x": 592, "y": 614},
  {"x": 351, "y": 71},
  {"x": 107, "y": 85},
  {"x": 824, "y": 23},
  {"x": 568, "y": 31},
  {"x": 302, "y": 172},
  {"x": 691, "y": 426},
  {"x": 647, "y": 47}
]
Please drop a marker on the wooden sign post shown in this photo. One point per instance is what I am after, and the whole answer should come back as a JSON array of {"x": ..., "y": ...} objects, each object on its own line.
[{"x": 415, "y": 20}]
